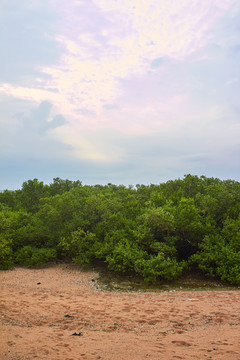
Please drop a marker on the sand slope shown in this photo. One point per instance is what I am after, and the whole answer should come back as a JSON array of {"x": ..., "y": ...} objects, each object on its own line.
[{"x": 38, "y": 320}]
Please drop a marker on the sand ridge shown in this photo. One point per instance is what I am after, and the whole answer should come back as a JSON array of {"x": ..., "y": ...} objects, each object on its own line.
[{"x": 58, "y": 313}]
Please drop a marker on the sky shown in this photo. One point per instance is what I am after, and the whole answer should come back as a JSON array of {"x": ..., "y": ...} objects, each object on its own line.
[{"x": 119, "y": 91}]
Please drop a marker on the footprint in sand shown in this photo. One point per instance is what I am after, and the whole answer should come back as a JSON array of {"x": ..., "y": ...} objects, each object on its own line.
[{"x": 180, "y": 343}]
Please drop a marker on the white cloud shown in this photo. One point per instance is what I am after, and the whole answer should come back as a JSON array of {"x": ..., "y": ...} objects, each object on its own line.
[
  {"x": 133, "y": 33},
  {"x": 105, "y": 45}
]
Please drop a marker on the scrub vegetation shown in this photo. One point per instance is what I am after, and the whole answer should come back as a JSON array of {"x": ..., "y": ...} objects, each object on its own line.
[{"x": 156, "y": 231}]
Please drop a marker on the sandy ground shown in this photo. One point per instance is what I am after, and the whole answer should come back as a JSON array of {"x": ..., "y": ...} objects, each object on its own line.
[{"x": 58, "y": 313}]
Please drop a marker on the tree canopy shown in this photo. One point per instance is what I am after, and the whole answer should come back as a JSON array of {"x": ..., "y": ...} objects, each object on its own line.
[{"x": 156, "y": 231}]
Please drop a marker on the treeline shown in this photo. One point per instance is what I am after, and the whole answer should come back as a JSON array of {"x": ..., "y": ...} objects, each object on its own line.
[{"x": 156, "y": 231}]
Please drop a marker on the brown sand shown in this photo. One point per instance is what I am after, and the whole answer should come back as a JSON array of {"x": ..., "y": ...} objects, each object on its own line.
[{"x": 38, "y": 320}]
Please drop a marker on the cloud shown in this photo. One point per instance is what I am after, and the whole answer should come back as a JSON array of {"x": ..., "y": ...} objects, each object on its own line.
[
  {"x": 26, "y": 41},
  {"x": 40, "y": 119},
  {"x": 101, "y": 156},
  {"x": 28, "y": 133},
  {"x": 124, "y": 39},
  {"x": 149, "y": 88}
]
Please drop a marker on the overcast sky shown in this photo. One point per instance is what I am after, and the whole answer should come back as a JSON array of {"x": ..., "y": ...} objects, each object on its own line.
[{"x": 120, "y": 91}]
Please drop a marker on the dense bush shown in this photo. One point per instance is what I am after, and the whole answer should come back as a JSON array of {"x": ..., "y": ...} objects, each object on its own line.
[
  {"x": 219, "y": 255},
  {"x": 6, "y": 253},
  {"x": 155, "y": 231},
  {"x": 159, "y": 266},
  {"x": 79, "y": 246},
  {"x": 31, "y": 256}
]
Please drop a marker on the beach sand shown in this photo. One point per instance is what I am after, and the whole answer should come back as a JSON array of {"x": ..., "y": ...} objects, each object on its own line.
[{"x": 59, "y": 313}]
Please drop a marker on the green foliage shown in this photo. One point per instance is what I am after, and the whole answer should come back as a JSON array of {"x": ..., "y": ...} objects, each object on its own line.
[
  {"x": 32, "y": 191},
  {"x": 188, "y": 221},
  {"x": 31, "y": 256},
  {"x": 59, "y": 186},
  {"x": 79, "y": 246},
  {"x": 6, "y": 254},
  {"x": 124, "y": 256},
  {"x": 8, "y": 198},
  {"x": 159, "y": 266},
  {"x": 209, "y": 254},
  {"x": 154, "y": 230},
  {"x": 11, "y": 223},
  {"x": 217, "y": 258},
  {"x": 160, "y": 219}
]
